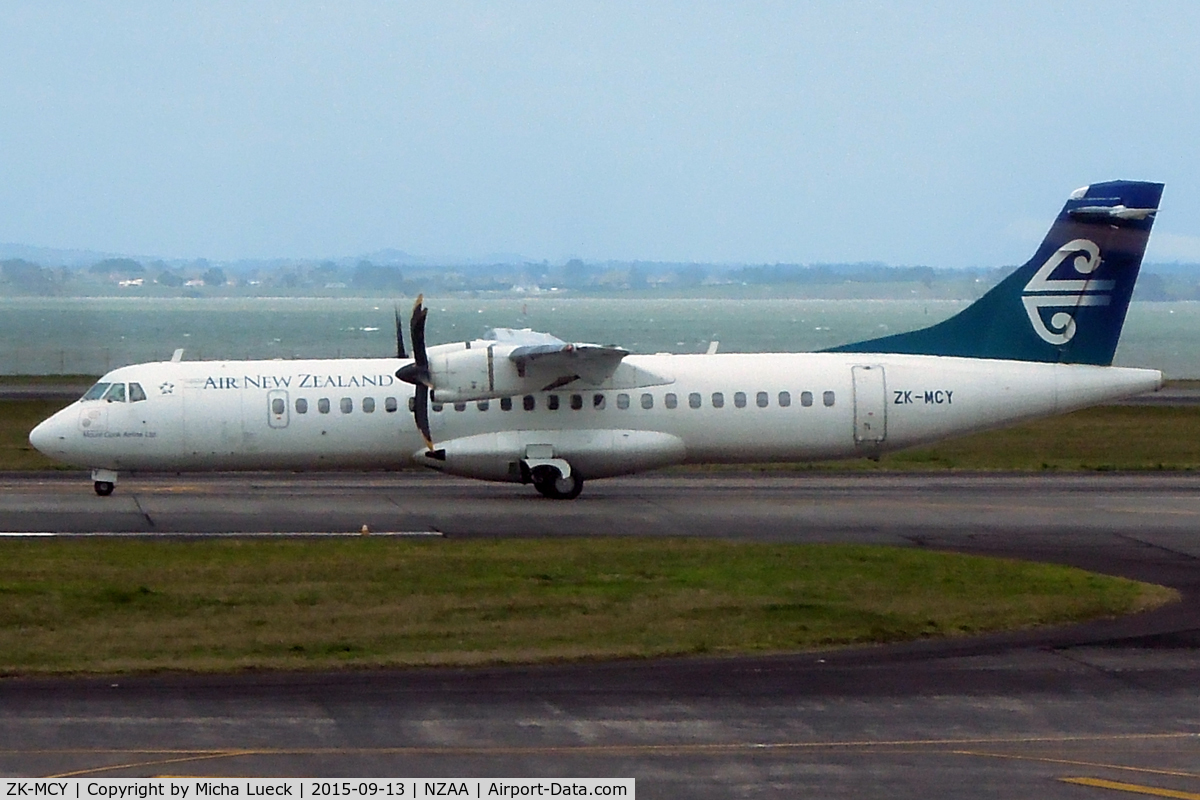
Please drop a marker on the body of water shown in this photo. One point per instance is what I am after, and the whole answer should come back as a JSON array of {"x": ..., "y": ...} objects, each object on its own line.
[{"x": 92, "y": 335}]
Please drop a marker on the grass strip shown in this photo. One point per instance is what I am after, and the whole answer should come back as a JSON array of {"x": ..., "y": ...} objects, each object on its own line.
[
  {"x": 72, "y": 606},
  {"x": 1105, "y": 438},
  {"x": 1100, "y": 439},
  {"x": 17, "y": 419}
]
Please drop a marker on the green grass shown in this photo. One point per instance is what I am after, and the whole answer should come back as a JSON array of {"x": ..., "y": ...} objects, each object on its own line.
[
  {"x": 220, "y": 605},
  {"x": 1102, "y": 438},
  {"x": 17, "y": 419}
]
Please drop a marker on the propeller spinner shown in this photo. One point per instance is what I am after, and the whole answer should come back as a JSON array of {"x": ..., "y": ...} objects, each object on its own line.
[{"x": 417, "y": 373}]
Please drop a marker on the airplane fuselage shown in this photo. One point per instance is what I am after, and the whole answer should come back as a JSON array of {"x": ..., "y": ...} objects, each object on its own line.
[
  {"x": 524, "y": 406},
  {"x": 727, "y": 408}
]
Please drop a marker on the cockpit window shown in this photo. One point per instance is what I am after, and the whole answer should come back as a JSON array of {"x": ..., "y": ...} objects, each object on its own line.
[
  {"x": 136, "y": 392},
  {"x": 116, "y": 393},
  {"x": 97, "y": 391}
]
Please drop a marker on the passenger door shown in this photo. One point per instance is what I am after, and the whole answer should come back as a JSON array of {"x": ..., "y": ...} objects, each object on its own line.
[{"x": 870, "y": 405}]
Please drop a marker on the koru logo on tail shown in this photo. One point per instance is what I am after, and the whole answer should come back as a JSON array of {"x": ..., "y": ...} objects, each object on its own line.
[{"x": 1043, "y": 293}]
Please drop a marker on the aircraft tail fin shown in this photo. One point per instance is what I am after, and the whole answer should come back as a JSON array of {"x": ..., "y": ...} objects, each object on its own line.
[{"x": 1068, "y": 303}]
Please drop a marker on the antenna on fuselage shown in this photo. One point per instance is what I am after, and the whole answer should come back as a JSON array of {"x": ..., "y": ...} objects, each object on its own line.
[{"x": 177, "y": 356}]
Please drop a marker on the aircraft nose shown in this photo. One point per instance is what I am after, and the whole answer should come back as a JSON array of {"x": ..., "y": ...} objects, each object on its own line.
[{"x": 46, "y": 435}]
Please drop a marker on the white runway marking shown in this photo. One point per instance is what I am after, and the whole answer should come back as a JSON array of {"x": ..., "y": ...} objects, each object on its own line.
[{"x": 226, "y": 534}]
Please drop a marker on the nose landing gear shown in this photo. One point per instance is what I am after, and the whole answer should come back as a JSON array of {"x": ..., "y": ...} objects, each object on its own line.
[{"x": 104, "y": 481}]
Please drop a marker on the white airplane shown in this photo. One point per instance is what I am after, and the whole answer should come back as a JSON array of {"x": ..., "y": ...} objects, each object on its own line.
[{"x": 527, "y": 407}]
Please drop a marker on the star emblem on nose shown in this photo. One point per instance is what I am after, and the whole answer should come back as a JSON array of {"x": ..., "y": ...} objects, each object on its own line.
[{"x": 166, "y": 388}]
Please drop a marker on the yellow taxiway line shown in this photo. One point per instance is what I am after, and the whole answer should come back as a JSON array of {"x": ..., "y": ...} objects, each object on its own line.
[{"x": 1133, "y": 788}]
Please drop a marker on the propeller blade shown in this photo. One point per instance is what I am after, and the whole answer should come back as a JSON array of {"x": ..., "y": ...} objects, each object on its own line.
[
  {"x": 421, "y": 413},
  {"x": 417, "y": 328},
  {"x": 417, "y": 373},
  {"x": 400, "y": 353}
]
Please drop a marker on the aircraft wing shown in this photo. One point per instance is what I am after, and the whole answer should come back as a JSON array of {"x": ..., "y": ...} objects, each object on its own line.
[{"x": 564, "y": 362}]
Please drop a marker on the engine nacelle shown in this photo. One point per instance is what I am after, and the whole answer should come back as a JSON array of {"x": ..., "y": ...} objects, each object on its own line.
[
  {"x": 478, "y": 370},
  {"x": 521, "y": 362}
]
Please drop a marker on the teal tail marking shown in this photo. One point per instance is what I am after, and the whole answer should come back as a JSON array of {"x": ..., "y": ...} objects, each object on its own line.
[{"x": 1068, "y": 303}]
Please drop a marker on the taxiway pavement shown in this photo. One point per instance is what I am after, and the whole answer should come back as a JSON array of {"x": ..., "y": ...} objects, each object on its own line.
[{"x": 1050, "y": 713}]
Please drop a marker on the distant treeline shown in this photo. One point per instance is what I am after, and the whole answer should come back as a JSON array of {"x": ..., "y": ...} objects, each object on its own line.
[
  {"x": 199, "y": 278},
  {"x": 836, "y": 273}
]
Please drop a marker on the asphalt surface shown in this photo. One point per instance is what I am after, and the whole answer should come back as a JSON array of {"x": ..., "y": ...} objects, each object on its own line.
[{"x": 1014, "y": 715}]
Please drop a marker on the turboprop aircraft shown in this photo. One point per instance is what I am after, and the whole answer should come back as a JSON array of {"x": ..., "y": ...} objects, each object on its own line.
[{"x": 527, "y": 407}]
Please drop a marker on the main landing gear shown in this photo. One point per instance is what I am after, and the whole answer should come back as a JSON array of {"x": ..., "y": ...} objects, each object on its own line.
[
  {"x": 104, "y": 481},
  {"x": 549, "y": 483}
]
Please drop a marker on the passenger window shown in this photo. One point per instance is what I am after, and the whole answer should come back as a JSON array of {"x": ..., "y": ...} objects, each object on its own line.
[
  {"x": 390, "y": 405},
  {"x": 598, "y": 402},
  {"x": 116, "y": 394},
  {"x": 412, "y": 404},
  {"x": 301, "y": 405},
  {"x": 739, "y": 399},
  {"x": 482, "y": 405},
  {"x": 827, "y": 398},
  {"x": 622, "y": 401},
  {"x": 368, "y": 405},
  {"x": 718, "y": 399},
  {"x": 552, "y": 402},
  {"x": 760, "y": 399},
  {"x": 576, "y": 402},
  {"x": 323, "y": 405},
  {"x": 278, "y": 406},
  {"x": 97, "y": 391},
  {"x": 806, "y": 399},
  {"x": 460, "y": 406},
  {"x": 694, "y": 400},
  {"x": 647, "y": 401},
  {"x": 506, "y": 404},
  {"x": 529, "y": 402},
  {"x": 785, "y": 399},
  {"x": 136, "y": 393},
  {"x": 670, "y": 400},
  {"x": 347, "y": 405},
  {"x": 437, "y": 407}
]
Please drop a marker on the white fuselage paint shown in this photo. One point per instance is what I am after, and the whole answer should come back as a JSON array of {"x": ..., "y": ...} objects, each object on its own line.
[{"x": 211, "y": 415}]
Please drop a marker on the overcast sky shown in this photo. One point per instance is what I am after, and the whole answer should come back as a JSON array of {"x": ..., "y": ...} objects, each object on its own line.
[{"x": 909, "y": 133}]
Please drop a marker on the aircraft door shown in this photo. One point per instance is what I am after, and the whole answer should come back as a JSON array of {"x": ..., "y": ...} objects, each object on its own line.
[
  {"x": 277, "y": 408},
  {"x": 870, "y": 405}
]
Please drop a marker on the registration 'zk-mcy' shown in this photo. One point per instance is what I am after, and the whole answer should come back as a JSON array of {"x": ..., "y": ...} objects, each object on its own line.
[{"x": 527, "y": 407}]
